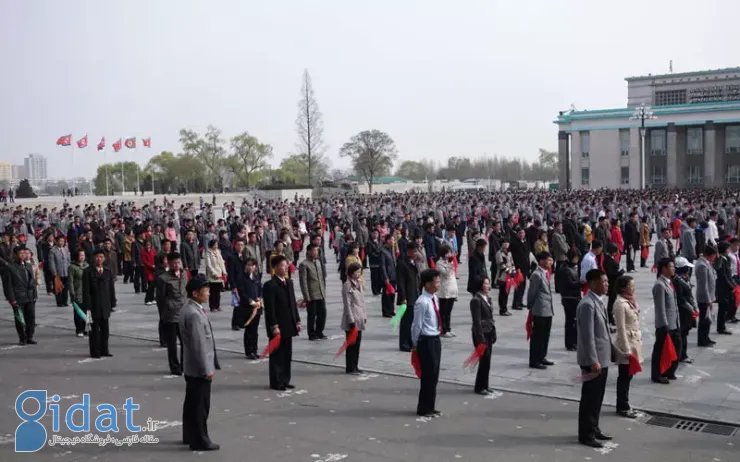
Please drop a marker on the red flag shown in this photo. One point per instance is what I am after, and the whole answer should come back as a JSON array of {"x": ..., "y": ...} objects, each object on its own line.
[
  {"x": 654, "y": 268},
  {"x": 82, "y": 143},
  {"x": 736, "y": 294},
  {"x": 454, "y": 263},
  {"x": 644, "y": 253},
  {"x": 634, "y": 366},
  {"x": 130, "y": 143},
  {"x": 101, "y": 144},
  {"x": 147, "y": 142},
  {"x": 416, "y": 362},
  {"x": 389, "y": 289},
  {"x": 271, "y": 347},
  {"x": 584, "y": 290},
  {"x": 65, "y": 140},
  {"x": 351, "y": 340},
  {"x": 668, "y": 355},
  {"x": 475, "y": 356},
  {"x": 432, "y": 265},
  {"x": 509, "y": 283},
  {"x": 117, "y": 145},
  {"x": 291, "y": 269},
  {"x": 529, "y": 326},
  {"x": 362, "y": 255},
  {"x": 519, "y": 278}
]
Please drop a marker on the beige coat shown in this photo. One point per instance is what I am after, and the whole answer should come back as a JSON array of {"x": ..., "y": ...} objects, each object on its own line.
[
  {"x": 353, "y": 300},
  {"x": 215, "y": 267},
  {"x": 448, "y": 280},
  {"x": 629, "y": 337}
]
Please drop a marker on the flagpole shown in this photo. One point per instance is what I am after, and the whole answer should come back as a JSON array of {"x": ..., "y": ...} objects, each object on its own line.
[
  {"x": 72, "y": 145},
  {"x": 105, "y": 160},
  {"x": 136, "y": 154},
  {"x": 123, "y": 180}
]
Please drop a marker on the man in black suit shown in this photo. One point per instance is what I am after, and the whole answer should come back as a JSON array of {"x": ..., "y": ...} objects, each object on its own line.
[
  {"x": 520, "y": 253},
  {"x": 99, "y": 299},
  {"x": 409, "y": 288},
  {"x": 631, "y": 240},
  {"x": 388, "y": 274},
  {"x": 281, "y": 318},
  {"x": 19, "y": 285},
  {"x": 494, "y": 245}
]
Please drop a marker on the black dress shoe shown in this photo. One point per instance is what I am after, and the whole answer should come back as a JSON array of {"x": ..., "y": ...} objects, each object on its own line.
[
  {"x": 405, "y": 349},
  {"x": 95, "y": 356},
  {"x": 537, "y": 366},
  {"x": 662, "y": 380},
  {"x": 591, "y": 443},
  {"x": 21, "y": 342},
  {"x": 571, "y": 348},
  {"x": 672, "y": 377},
  {"x": 175, "y": 372},
  {"x": 208, "y": 447},
  {"x": 277, "y": 387},
  {"x": 712, "y": 343},
  {"x": 483, "y": 392},
  {"x": 547, "y": 362},
  {"x": 518, "y": 308},
  {"x": 235, "y": 328},
  {"x": 629, "y": 413},
  {"x": 322, "y": 337},
  {"x": 505, "y": 313},
  {"x": 32, "y": 342},
  {"x": 437, "y": 413},
  {"x": 289, "y": 386},
  {"x": 601, "y": 436},
  {"x": 107, "y": 355},
  {"x": 687, "y": 361},
  {"x": 724, "y": 332},
  {"x": 353, "y": 372}
]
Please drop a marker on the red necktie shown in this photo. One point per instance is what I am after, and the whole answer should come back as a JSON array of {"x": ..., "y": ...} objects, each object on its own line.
[
  {"x": 737, "y": 260},
  {"x": 673, "y": 288},
  {"x": 204, "y": 312},
  {"x": 439, "y": 318}
]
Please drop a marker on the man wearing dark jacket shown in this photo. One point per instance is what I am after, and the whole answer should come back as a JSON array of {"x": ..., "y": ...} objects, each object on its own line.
[
  {"x": 388, "y": 275},
  {"x": 725, "y": 286},
  {"x": 373, "y": 259},
  {"x": 281, "y": 318},
  {"x": 171, "y": 296},
  {"x": 569, "y": 287},
  {"x": 99, "y": 299},
  {"x": 631, "y": 240},
  {"x": 494, "y": 245},
  {"x": 477, "y": 266},
  {"x": 409, "y": 289},
  {"x": 189, "y": 253},
  {"x": 612, "y": 270},
  {"x": 520, "y": 255},
  {"x": 19, "y": 285}
]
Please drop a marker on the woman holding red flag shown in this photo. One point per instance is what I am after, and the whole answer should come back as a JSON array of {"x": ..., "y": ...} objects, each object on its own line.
[
  {"x": 354, "y": 316},
  {"x": 484, "y": 334},
  {"x": 628, "y": 341}
]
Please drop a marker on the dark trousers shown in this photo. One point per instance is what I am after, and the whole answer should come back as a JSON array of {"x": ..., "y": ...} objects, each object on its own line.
[
  {"x": 540, "y": 340},
  {"x": 445, "y": 312},
  {"x": 352, "y": 356},
  {"x": 128, "y": 271},
  {"x": 519, "y": 295},
  {"x": 251, "y": 332},
  {"x": 376, "y": 281},
  {"x": 79, "y": 322},
  {"x": 723, "y": 309},
  {"x": 630, "y": 251},
  {"x": 387, "y": 301},
  {"x": 684, "y": 352},
  {"x": 195, "y": 412},
  {"x": 571, "y": 330},
  {"x": 149, "y": 295},
  {"x": 660, "y": 335},
  {"x": 138, "y": 278},
  {"x": 643, "y": 261},
  {"x": 98, "y": 338},
  {"x": 162, "y": 334},
  {"x": 280, "y": 362},
  {"x": 214, "y": 299},
  {"x": 589, "y": 409},
  {"x": 28, "y": 326},
  {"x": 503, "y": 298},
  {"x": 704, "y": 325},
  {"x": 316, "y": 314},
  {"x": 62, "y": 297},
  {"x": 48, "y": 280},
  {"x": 429, "y": 349},
  {"x": 171, "y": 336},
  {"x": 484, "y": 366},
  {"x": 404, "y": 330},
  {"x": 119, "y": 262},
  {"x": 623, "y": 388}
]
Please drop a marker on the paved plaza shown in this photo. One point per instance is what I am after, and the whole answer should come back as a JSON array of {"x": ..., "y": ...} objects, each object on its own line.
[
  {"x": 328, "y": 417},
  {"x": 709, "y": 389}
]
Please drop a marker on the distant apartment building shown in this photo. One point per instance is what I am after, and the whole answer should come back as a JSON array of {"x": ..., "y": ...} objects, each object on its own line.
[
  {"x": 6, "y": 172},
  {"x": 35, "y": 166},
  {"x": 19, "y": 172}
]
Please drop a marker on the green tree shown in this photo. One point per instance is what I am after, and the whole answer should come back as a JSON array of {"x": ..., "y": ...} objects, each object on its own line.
[
  {"x": 248, "y": 156},
  {"x": 372, "y": 153},
  {"x": 114, "y": 172},
  {"x": 310, "y": 130},
  {"x": 24, "y": 190},
  {"x": 412, "y": 170},
  {"x": 209, "y": 149},
  {"x": 293, "y": 170}
]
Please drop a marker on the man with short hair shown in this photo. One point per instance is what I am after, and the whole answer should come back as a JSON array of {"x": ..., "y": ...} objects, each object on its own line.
[
  {"x": 313, "y": 288},
  {"x": 409, "y": 284},
  {"x": 199, "y": 365},
  {"x": 19, "y": 286},
  {"x": 425, "y": 331},
  {"x": 595, "y": 349},
  {"x": 706, "y": 279},
  {"x": 171, "y": 296},
  {"x": 59, "y": 261},
  {"x": 539, "y": 302},
  {"x": 388, "y": 275},
  {"x": 666, "y": 321},
  {"x": 99, "y": 300}
]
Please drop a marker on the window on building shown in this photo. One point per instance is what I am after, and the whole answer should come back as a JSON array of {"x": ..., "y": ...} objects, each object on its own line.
[
  {"x": 658, "y": 175},
  {"x": 585, "y": 144},
  {"x": 657, "y": 142},
  {"x": 694, "y": 141},
  {"x": 732, "y": 139},
  {"x": 585, "y": 174},
  {"x": 666, "y": 98},
  {"x": 624, "y": 142},
  {"x": 733, "y": 174},
  {"x": 696, "y": 174},
  {"x": 625, "y": 175}
]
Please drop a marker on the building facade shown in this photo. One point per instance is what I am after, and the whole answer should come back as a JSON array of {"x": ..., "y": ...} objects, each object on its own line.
[
  {"x": 35, "y": 166},
  {"x": 693, "y": 141},
  {"x": 19, "y": 172},
  {"x": 6, "y": 172}
]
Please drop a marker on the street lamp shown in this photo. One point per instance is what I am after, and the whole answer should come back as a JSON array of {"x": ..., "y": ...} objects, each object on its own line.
[{"x": 642, "y": 113}]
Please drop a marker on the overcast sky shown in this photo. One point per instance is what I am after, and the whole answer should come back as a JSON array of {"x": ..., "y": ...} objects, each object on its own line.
[{"x": 443, "y": 78}]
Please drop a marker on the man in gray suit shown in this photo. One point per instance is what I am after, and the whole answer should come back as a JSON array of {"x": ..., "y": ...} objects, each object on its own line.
[
  {"x": 539, "y": 302},
  {"x": 663, "y": 247},
  {"x": 666, "y": 320},
  {"x": 199, "y": 365},
  {"x": 595, "y": 352},
  {"x": 688, "y": 240},
  {"x": 706, "y": 278}
]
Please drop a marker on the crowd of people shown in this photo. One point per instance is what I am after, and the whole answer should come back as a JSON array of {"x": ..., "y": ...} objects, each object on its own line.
[{"x": 582, "y": 245}]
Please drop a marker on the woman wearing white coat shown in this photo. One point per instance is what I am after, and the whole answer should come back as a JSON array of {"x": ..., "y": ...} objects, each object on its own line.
[
  {"x": 628, "y": 340},
  {"x": 215, "y": 273},
  {"x": 447, "y": 289}
]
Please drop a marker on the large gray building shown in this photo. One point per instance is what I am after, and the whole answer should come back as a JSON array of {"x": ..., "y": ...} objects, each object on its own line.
[
  {"x": 35, "y": 165},
  {"x": 692, "y": 141}
]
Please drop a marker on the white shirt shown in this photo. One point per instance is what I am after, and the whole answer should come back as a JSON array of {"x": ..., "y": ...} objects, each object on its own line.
[
  {"x": 712, "y": 233},
  {"x": 425, "y": 317},
  {"x": 588, "y": 263},
  {"x": 733, "y": 257}
]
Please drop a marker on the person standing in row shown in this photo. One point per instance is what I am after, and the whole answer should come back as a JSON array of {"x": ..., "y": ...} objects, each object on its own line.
[
  {"x": 725, "y": 287},
  {"x": 628, "y": 340},
  {"x": 447, "y": 290},
  {"x": 59, "y": 261},
  {"x": 171, "y": 296},
  {"x": 388, "y": 273},
  {"x": 354, "y": 315},
  {"x": 539, "y": 302},
  {"x": 688, "y": 310},
  {"x": 19, "y": 285},
  {"x": 148, "y": 257},
  {"x": 99, "y": 300},
  {"x": 215, "y": 273},
  {"x": 666, "y": 320},
  {"x": 477, "y": 266},
  {"x": 281, "y": 318},
  {"x": 595, "y": 351},
  {"x": 76, "y": 276},
  {"x": 706, "y": 278},
  {"x": 199, "y": 365},
  {"x": 484, "y": 333},
  {"x": 408, "y": 291},
  {"x": 504, "y": 267},
  {"x": 425, "y": 330},
  {"x": 570, "y": 288},
  {"x": 249, "y": 288},
  {"x": 313, "y": 287}
]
